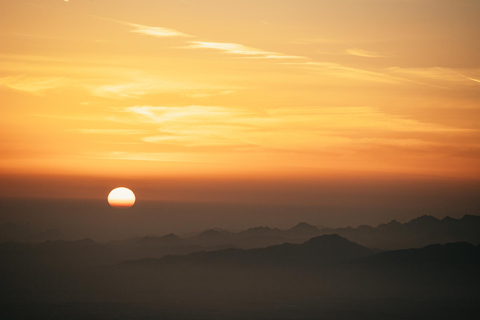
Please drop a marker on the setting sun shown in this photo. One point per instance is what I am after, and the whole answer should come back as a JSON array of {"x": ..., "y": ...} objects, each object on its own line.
[{"x": 121, "y": 198}]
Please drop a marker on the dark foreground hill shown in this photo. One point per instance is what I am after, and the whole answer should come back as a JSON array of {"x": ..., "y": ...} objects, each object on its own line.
[{"x": 327, "y": 277}]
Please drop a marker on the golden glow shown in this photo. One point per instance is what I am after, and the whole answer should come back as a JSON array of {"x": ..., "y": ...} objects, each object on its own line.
[
  {"x": 186, "y": 88},
  {"x": 121, "y": 198}
]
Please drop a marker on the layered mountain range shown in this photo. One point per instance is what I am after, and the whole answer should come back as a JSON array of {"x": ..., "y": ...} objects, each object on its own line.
[
  {"x": 416, "y": 233},
  {"x": 324, "y": 277}
]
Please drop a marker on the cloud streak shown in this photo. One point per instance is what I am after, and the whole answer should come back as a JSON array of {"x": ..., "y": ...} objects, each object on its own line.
[
  {"x": 111, "y": 131},
  {"x": 366, "y": 53},
  {"x": 446, "y": 76},
  {"x": 144, "y": 85},
  {"x": 311, "y": 129},
  {"x": 156, "y": 31},
  {"x": 158, "y": 114},
  {"x": 240, "y": 49},
  {"x": 34, "y": 85}
]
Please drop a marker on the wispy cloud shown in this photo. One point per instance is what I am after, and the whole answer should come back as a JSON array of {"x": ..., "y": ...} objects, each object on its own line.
[
  {"x": 34, "y": 85},
  {"x": 446, "y": 76},
  {"x": 340, "y": 70},
  {"x": 205, "y": 94},
  {"x": 70, "y": 117},
  {"x": 158, "y": 114},
  {"x": 388, "y": 76},
  {"x": 110, "y": 131},
  {"x": 146, "y": 30},
  {"x": 194, "y": 138},
  {"x": 240, "y": 49},
  {"x": 111, "y": 87},
  {"x": 355, "y": 118},
  {"x": 315, "y": 40},
  {"x": 230, "y": 48},
  {"x": 156, "y": 31},
  {"x": 145, "y": 156},
  {"x": 301, "y": 129},
  {"x": 143, "y": 85},
  {"x": 366, "y": 53},
  {"x": 473, "y": 79}
]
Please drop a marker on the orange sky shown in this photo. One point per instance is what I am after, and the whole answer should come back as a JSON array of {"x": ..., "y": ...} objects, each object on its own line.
[{"x": 175, "y": 88}]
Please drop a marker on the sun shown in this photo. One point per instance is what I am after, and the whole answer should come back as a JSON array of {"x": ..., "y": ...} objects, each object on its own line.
[{"x": 121, "y": 198}]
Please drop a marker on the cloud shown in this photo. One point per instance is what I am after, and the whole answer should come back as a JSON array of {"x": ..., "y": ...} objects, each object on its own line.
[
  {"x": 432, "y": 73},
  {"x": 388, "y": 76},
  {"x": 473, "y": 79},
  {"x": 339, "y": 70},
  {"x": 34, "y": 85},
  {"x": 315, "y": 40},
  {"x": 191, "y": 140},
  {"x": 145, "y": 156},
  {"x": 310, "y": 129},
  {"x": 240, "y": 49},
  {"x": 190, "y": 113},
  {"x": 146, "y": 30},
  {"x": 113, "y": 88},
  {"x": 191, "y": 126},
  {"x": 110, "y": 131},
  {"x": 344, "y": 119},
  {"x": 365, "y": 53},
  {"x": 444, "y": 76},
  {"x": 230, "y": 48},
  {"x": 70, "y": 117},
  {"x": 156, "y": 31},
  {"x": 207, "y": 94},
  {"x": 144, "y": 85}
]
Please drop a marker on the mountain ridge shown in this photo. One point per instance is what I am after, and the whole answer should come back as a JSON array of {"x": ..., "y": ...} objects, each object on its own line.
[{"x": 316, "y": 251}]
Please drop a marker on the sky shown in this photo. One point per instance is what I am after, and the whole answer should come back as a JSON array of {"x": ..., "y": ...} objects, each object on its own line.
[{"x": 97, "y": 94}]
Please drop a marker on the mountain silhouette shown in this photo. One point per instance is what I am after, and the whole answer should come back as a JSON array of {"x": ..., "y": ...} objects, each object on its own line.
[
  {"x": 210, "y": 238},
  {"x": 316, "y": 251},
  {"x": 261, "y": 232},
  {"x": 416, "y": 233},
  {"x": 26, "y": 233},
  {"x": 325, "y": 277},
  {"x": 458, "y": 253},
  {"x": 167, "y": 240},
  {"x": 303, "y": 229},
  {"x": 419, "y": 232}
]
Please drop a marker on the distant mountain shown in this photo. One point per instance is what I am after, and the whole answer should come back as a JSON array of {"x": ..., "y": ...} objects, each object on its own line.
[
  {"x": 210, "y": 238},
  {"x": 261, "y": 232},
  {"x": 418, "y": 232},
  {"x": 303, "y": 230},
  {"x": 324, "y": 271},
  {"x": 87, "y": 252},
  {"x": 299, "y": 273},
  {"x": 315, "y": 252},
  {"x": 458, "y": 253},
  {"x": 167, "y": 240},
  {"x": 26, "y": 233}
]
